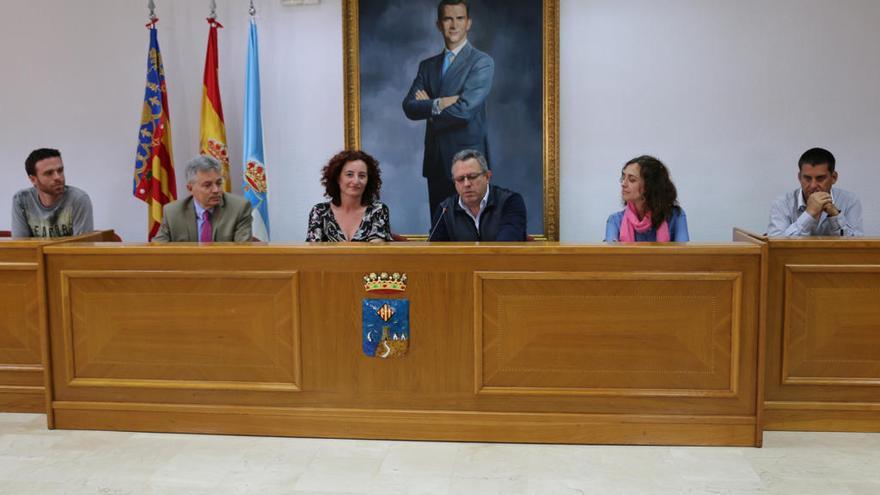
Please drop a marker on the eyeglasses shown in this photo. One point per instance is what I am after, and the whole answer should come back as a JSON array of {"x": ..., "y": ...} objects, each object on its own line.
[{"x": 468, "y": 177}]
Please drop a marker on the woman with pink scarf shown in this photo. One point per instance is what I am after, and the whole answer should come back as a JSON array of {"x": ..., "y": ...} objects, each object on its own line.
[{"x": 651, "y": 212}]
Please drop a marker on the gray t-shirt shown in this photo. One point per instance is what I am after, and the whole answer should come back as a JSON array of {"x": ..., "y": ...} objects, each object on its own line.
[{"x": 71, "y": 215}]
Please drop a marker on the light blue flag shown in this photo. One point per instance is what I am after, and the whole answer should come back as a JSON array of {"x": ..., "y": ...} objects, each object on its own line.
[{"x": 256, "y": 182}]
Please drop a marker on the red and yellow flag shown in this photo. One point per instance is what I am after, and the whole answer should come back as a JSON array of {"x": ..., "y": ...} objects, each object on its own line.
[
  {"x": 154, "y": 181},
  {"x": 213, "y": 134}
]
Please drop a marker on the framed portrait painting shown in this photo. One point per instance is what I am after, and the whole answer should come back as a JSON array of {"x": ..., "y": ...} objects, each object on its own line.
[{"x": 425, "y": 80}]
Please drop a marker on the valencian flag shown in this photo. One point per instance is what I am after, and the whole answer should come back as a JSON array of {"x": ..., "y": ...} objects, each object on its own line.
[
  {"x": 254, "y": 172},
  {"x": 154, "y": 181},
  {"x": 213, "y": 134}
]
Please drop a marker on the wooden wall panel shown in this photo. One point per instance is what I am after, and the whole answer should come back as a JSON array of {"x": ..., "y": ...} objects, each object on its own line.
[
  {"x": 610, "y": 334},
  {"x": 19, "y": 314},
  {"x": 188, "y": 329},
  {"x": 113, "y": 370},
  {"x": 831, "y": 330}
]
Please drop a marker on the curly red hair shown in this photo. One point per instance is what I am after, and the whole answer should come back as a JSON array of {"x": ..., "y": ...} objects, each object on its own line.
[{"x": 330, "y": 176}]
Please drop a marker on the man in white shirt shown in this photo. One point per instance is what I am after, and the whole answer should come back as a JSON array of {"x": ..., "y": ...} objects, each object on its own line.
[{"x": 816, "y": 208}]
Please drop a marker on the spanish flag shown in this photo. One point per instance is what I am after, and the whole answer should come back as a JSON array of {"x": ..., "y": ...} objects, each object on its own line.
[
  {"x": 154, "y": 181},
  {"x": 213, "y": 135}
]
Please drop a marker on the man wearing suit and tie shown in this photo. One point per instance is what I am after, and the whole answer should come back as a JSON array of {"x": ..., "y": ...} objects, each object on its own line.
[
  {"x": 450, "y": 92},
  {"x": 209, "y": 215}
]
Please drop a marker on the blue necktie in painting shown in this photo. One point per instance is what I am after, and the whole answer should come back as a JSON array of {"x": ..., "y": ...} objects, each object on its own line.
[
  {"x": 385, "y": 327},
  {"x": 447, "y": 61}
]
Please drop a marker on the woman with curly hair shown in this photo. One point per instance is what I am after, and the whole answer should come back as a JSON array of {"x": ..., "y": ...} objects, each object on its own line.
[
  {"x": 652, "y": 213},
  {"x": 351, "y": 181}
]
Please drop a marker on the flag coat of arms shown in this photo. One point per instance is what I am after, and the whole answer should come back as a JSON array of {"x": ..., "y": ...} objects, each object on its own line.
[
  {"x": 154, "y": 181},
  {"x": 385, "y": 327}
]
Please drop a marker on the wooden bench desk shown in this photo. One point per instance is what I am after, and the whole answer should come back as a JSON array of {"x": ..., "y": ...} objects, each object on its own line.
[
  {"x": 23, "y": 321},
  {"x": 530, "y": 342},
  {"x": 823, "y": 333}
]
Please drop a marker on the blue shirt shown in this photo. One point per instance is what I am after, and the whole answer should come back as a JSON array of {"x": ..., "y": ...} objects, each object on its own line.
[
  {"x": 789, "y": 217},
  {"x": 678, "y": 228}
]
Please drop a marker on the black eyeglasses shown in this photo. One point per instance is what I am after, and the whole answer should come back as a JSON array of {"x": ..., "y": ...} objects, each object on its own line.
[{"x": 468, "y": 177}]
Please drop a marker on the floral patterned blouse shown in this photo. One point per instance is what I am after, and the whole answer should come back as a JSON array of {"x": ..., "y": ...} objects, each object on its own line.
[{"x": 374, "y": 225}]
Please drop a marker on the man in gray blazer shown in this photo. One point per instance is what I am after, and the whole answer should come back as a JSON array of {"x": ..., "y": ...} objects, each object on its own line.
[
  {"x": 209, "y": 214},
  {"x": 450, "y": 92}
]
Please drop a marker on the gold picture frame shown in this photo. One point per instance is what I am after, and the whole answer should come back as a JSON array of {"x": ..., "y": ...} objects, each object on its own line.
[{"x": 550, "y": 120}]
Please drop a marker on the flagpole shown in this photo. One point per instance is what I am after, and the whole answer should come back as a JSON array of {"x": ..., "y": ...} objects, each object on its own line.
[
  {"x": 152, "y": 20},
  {"x": 255, "y": 184},
  {"x": 151, "y": 24},
  {"x": 154, "y": 181}
]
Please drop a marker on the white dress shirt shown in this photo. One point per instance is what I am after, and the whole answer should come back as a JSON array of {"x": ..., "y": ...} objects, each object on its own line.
[
  {"x": 789, "y": 217},
  {"x": 483, "y": 203}
]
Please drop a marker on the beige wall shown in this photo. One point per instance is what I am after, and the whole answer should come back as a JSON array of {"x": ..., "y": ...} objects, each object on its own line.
[{"x": 728, "y": 93}]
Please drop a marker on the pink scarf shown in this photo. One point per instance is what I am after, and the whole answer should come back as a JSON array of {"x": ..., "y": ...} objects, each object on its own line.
[{"x": 631, "y": 224}]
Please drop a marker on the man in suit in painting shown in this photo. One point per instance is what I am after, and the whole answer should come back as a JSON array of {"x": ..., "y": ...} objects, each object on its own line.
[{"x": 450, "y": 92}]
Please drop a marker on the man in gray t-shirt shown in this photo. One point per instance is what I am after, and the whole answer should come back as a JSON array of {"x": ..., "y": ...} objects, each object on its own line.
[{"x": 50, "y": 208}]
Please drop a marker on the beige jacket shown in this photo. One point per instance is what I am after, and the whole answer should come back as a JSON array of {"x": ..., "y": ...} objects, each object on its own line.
[{"x": 231, "y": 221}]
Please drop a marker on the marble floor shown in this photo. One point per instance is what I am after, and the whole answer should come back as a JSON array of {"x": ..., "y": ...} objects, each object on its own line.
[{"x": 34, "y": 460}]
